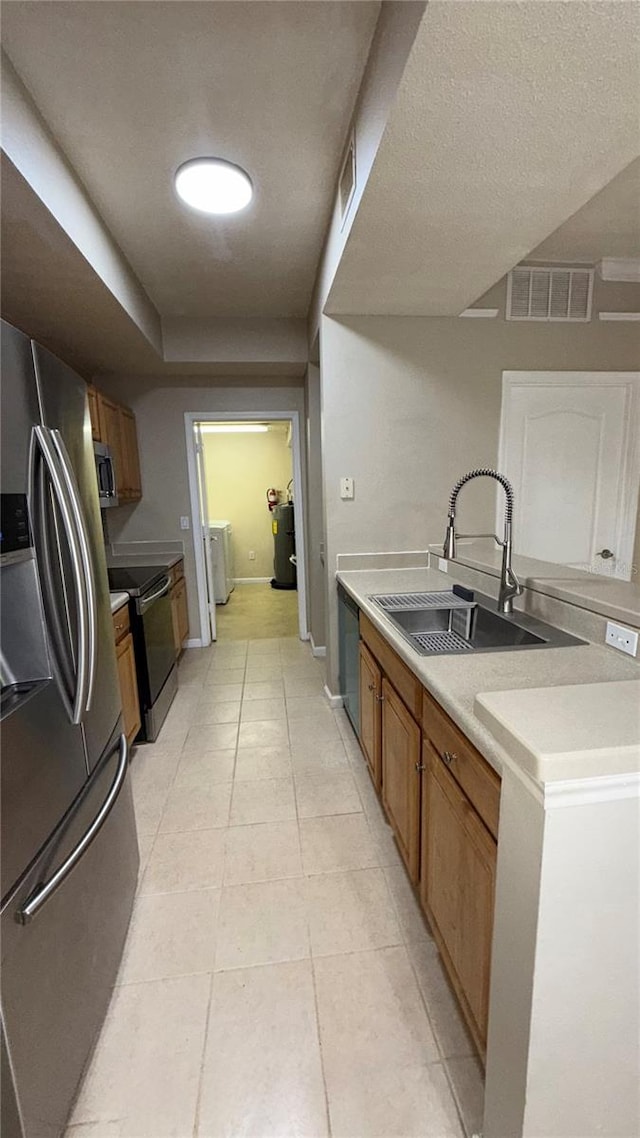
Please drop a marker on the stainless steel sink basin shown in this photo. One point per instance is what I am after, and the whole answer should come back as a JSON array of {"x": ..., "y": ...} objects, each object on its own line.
[{"x": 442, "y": 624}]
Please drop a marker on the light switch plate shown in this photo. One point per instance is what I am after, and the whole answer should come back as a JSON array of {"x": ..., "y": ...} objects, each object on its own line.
[
  {"x": 346, "y": 489},
  {"x": 184, "y": 522}
]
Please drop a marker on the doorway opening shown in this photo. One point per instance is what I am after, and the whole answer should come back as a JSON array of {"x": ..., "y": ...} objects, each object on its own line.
[{"x": 245, "y": 478}]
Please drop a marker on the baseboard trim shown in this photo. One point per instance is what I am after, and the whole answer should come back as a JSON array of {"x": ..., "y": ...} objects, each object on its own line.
[
  {"x": 317, "y": 649},
  {"x": 193, "y": 642},
  {"x": 335, "y": 701},
  {"x": 251, "y": 580}
]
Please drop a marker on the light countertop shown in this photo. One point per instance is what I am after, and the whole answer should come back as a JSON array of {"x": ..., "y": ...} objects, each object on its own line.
[
  {"x": 118, "y": 600},
  {"x": 567, "y": 732},
  {"x": 162, "y": 560},
  {"x": 456, "y": 681}
]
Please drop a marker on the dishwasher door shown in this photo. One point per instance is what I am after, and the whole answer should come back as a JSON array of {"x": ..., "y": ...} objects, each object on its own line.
[{"x": 349, "y": 656}]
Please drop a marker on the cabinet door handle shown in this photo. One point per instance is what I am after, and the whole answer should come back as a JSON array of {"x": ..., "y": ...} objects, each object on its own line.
[
  {"x": 449, "y": 756},
  {"x": 380, "y": 698},
  {"x": 420, "y": 767},
  {"x": 372, "y": 687}
]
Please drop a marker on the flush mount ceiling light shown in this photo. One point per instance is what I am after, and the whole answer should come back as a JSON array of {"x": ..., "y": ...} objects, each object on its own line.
[
  {"x": 232, "y": 428},
  {"x": 212, "y": 185}
]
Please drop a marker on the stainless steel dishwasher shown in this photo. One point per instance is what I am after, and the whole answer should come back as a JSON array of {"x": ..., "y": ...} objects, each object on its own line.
[{"x": 349, "y": 656}]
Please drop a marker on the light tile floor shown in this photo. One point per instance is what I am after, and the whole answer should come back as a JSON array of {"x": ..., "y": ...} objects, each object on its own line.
[{"x": 278, "y": 980}]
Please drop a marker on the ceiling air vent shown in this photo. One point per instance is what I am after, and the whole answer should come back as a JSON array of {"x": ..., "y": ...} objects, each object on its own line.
[
  {"x": 347, "y": 183},
  {"x": 549, "y": 294}
]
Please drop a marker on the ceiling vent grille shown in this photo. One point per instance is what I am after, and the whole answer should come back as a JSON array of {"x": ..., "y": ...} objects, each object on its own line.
[{"x": 549, "y": 294}]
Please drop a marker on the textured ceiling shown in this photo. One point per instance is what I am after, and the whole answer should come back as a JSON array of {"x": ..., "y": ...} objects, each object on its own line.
[
  {"x": 131, "y": 90},
  {"x": 51, "y": 291},
  {"x": 509, "y": 118},
  {"x": 607, "y": 226}
]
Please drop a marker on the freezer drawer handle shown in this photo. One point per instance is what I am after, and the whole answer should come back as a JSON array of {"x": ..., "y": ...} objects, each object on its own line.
[{"x": 42, "y": 893}]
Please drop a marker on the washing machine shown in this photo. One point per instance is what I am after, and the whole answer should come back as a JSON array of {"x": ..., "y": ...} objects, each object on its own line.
[{"x": 222, "y": 557}]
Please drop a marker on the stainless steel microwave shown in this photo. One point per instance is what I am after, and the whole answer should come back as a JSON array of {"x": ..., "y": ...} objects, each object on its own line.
[{"x": 106, "y": 476}]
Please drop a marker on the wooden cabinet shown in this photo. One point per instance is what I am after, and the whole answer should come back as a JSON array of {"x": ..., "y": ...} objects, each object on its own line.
[
  {"x": 94, "y": 413},
  {"x": 457, "y": 888},
  {"x": 110, "y": 436},
  {"x": 179, "y": 607},
  {"x": 371, "y": 713},
  {"x": 130, "y": 488},
  {"x": 115, "y": 426},
  {"x": 126, "y": 661},
  {"x": 443, "y": 800},
  {"x": 401, "y": 771}
]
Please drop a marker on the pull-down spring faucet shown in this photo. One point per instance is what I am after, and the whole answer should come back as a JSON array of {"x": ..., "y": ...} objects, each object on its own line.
[{"x": 510, "y": 586}]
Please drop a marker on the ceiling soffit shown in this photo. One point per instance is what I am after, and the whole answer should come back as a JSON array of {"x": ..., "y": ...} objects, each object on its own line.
[{"x": 509, "y": 117}]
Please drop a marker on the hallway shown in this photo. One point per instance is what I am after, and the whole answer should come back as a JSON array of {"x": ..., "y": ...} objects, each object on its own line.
[
  {"x": 278, "y": 980},
  {"x": 257, "y": 612}
]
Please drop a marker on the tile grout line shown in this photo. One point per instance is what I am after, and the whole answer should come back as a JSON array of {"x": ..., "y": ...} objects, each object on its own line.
[
  {"x": 320, "y": 1047},
  {"x": 196, "y": 1117}
]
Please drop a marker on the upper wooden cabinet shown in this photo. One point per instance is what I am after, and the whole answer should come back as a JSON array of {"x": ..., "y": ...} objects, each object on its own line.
[
  {"x": 132, "y": 483},
  {"x": 115, "y": 426},
  {"x": 94, "y": 414}
]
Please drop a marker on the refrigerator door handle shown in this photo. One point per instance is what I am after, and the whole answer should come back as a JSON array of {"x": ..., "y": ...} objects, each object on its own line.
[
  {"x": 88, "y": 650},
  {"x": 42, "y": 893},
  {"x": 43, "y": 442}
]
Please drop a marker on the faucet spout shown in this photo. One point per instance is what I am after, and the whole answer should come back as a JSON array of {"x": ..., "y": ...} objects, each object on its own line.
[{"x": 510, "y": 586}]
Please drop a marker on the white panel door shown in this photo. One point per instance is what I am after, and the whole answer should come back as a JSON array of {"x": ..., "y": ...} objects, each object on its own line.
[{"x": 569, "y": 443}]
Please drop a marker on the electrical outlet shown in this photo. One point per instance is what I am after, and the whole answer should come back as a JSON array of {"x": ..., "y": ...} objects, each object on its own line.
[
  {"x": 252, "y": 555},
  {"x": 624, "y": 639},
  {"x": 346, "y": 489},
  {"x": 443, "y": 565},
  {"x": 184, "y": 522}
]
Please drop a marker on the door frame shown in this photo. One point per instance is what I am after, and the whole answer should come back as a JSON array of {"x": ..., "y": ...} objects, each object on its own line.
[
  {"x": 192, "y": 417},
  {"x": 630, "y": 381}
]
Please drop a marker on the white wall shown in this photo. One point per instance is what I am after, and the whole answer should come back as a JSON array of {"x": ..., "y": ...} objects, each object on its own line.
[
  {"x": 395, "y": 32},
  {"x": 315, "y": 512},
  {"x": 240, "y": 468},
  {"x": 411, "y": 403},
  {"x": 159, "y": 406},
  {"x": 29, "y": 144}
]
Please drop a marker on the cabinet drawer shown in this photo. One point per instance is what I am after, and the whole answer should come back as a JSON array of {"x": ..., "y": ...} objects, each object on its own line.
[
  {"x": 121, "y": 624},
  {"x": 479, "y": 781},
  {"x": 406, "y": 684}
]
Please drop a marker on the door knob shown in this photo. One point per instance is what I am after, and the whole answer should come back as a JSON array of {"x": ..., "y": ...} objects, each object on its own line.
[{"x": 605, "y": 553}]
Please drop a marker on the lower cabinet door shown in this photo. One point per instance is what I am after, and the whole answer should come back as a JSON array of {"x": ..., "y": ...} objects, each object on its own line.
[
  {"x": 128, "y": 686},
  {"x": 182, "y": 612},
  {"x": 370, "y": 713},
  {"x": 457, "y": 887},
  {"x": 401, "y": 776}
]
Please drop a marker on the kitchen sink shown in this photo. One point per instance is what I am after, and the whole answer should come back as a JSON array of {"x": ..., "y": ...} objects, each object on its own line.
[{"x": 441, "y": 623}]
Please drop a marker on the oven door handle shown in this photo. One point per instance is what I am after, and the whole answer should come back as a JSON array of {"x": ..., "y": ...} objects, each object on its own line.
[{"x": 145, "y": 602}]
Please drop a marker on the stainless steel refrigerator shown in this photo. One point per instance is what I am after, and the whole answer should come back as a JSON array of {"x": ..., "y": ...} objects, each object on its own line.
[{"x": 69, "y": 849}]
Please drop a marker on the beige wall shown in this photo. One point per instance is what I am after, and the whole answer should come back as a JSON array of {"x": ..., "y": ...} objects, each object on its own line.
[
  {"x": 160, "y": 405},
  {"x": 239, "y": 470},
  {"x": 410, "y": 403}
]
